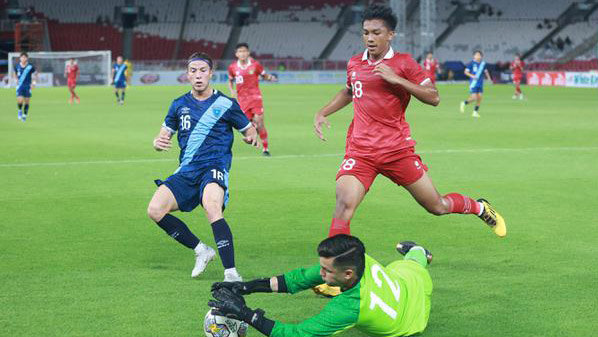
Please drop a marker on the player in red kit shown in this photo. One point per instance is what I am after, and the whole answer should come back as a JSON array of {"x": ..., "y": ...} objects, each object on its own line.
[
  {"x": 517, "y": 69},
  {"x": 245, "y": 74},
  {"x": 431, "y": 67},
  {"x": 71, "y": 71},
  {"x": 380, "y": 83}
]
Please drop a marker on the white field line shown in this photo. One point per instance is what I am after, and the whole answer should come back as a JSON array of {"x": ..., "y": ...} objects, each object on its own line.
[{"x": 292, "y": 156}]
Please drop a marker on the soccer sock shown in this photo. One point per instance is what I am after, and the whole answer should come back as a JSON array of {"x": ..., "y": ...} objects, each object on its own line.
[
  {"x": 224, "y": 241},
  {"x": 117, "y": 97},
  {"x": 476, "y": 108},
  {"x": 20, "y": 106},
  {"x": 339, "y": 226},
  {"x": 264, "y": 138},
  {"x": 461, "y": 204},
  {"x": 465, "y": 102},
  {"x": 177, "y": 229},
  {"x": 122, "y": 96},
  {"x": 417, "y": 254},
  {"x": 25, "y": 109}
]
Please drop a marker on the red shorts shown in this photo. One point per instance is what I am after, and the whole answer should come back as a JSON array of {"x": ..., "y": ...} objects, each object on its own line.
[
  {"x": 404, "y": 168},
  {"x": 251, "y": 105},
  {"x": 71, "y": 84},
  {"x": 516, "y": 79}
]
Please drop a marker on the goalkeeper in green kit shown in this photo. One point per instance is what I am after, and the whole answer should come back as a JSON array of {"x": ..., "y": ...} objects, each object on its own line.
[{"x": 392, "y": 300}]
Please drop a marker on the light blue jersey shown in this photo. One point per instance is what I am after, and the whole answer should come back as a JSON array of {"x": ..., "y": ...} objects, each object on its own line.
[
  {"x": 205, "y": 129},
  {"x": 477, "y": 69},
  {"x": 120, "y": 81},
  {"x": 24, "y": 75}
]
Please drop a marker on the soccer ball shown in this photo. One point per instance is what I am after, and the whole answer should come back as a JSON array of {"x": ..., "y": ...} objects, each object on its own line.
[{"x": 221, "y": 326}]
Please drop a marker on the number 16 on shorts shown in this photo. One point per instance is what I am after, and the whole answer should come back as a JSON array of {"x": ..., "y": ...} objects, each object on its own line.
[
  {"x": 218, "y": 175},
  {"x": 347, "y": 164}
]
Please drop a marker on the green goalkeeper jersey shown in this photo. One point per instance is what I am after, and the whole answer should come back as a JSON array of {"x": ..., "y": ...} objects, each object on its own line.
[{"x": 387, "y": 301}]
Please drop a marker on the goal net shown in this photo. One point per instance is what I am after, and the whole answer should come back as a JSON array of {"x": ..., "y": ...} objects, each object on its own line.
[{"x": 94, "y": 67}]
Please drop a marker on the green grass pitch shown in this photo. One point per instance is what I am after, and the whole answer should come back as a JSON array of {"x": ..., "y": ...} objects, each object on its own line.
[{"x": 80, "y": 257}]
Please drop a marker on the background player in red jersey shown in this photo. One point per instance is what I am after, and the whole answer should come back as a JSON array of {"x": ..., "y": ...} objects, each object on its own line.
[
  {"x": 245, "y": 75},
  {"x": 517, "y": 69},
  {"x": 380, "y": 82},
  {"x": 431, "y": 67},
  {"x": 71, "y": 71}
]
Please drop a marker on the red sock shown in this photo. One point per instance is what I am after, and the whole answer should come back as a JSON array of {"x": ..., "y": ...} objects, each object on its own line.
[
  {"x": 459, "y": 203},
  {"x": 264, "y": 138},
  {"x": 518, "y": 89},
  {"x": 339, "y": 226}
]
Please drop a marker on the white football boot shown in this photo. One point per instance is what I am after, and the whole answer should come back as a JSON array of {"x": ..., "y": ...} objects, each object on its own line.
[
  {"x": 203, "y": 255},
  {"x": 232, "y": 275}
]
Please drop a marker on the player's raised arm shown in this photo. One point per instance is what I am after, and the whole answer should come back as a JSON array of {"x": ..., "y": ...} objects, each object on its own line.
[
  {"x": 425, "y": 91},
  {"x": 231, "y": 86},
  {"x": 163, "y": 141},
  {"x": 488, "y": 77},
  {"x": 339, "y": 101},
  {"x": 35, "y": 79}
]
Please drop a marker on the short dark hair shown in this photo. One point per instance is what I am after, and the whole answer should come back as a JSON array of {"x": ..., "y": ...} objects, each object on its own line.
[
  {"x": 348, "y": 252},
  {"x": 383, "y": 13},
  {"x": 24, "y": 54},
  {"x": 201, "y": 56},
  {"x": 478, "y": 51},
  {"x": 241, "y": 45}
]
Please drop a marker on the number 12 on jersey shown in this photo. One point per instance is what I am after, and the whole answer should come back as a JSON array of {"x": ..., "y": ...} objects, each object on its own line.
[{"x": 375, "y": 300}]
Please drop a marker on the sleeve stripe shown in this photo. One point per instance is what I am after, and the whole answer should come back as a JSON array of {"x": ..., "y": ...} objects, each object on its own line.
[
  {"x": 425, "y": 81},
  {"x": 246, "y": 127}
]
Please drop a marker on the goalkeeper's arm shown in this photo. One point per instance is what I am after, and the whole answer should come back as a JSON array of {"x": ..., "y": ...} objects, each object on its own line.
[
  {"x": 291, "y": 282},
  {"x": 339, "y": 314}
]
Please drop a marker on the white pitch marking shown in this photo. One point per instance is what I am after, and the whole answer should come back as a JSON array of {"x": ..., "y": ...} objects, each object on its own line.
[{"x": 291, "y": 156}]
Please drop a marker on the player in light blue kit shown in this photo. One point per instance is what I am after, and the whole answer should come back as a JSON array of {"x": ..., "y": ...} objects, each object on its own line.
[
  {"x": 204, "y": 119},
  {"x": 476, "y": 70},
  {"x": 119, "y": 79},
  {"x": 26, "y": 78}
]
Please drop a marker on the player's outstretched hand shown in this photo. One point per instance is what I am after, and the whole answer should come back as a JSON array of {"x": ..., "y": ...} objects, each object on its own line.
[
  {"x": 235, "y": 287},
  {"x": 320, "y": 120},
  {"x": 162, "y": 143},
  {"x": 387, "y": 73}
]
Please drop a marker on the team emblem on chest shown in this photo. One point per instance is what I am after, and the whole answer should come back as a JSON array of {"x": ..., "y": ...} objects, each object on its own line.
[{"x": 185, "y": 110}]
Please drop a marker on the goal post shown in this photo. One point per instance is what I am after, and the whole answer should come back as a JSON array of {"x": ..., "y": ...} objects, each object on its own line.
[{"x": 94, "y": 67}]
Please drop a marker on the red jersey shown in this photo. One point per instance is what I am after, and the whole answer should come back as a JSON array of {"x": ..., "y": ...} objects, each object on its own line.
[
  {"x": 517, "y": 68},
  {"x": 379, "y": 126},
  {"x": 71, "y": 72},
  {"x": 247, "y": 79},
  {"x": 431, "y": 67}
]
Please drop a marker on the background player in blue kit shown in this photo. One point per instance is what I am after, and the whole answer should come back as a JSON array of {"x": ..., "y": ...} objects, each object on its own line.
[
  {"x": 119, "y": 79},
  {"x": 26, "y": 78},
  {"x": 203, "y": 119},
  {"x": 476, "y": 70}
]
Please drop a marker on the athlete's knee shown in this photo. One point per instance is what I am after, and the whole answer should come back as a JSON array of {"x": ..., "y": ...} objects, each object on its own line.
[
  {"x": 213, "y": 208},
  {"x": 156, "y": 212}
]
